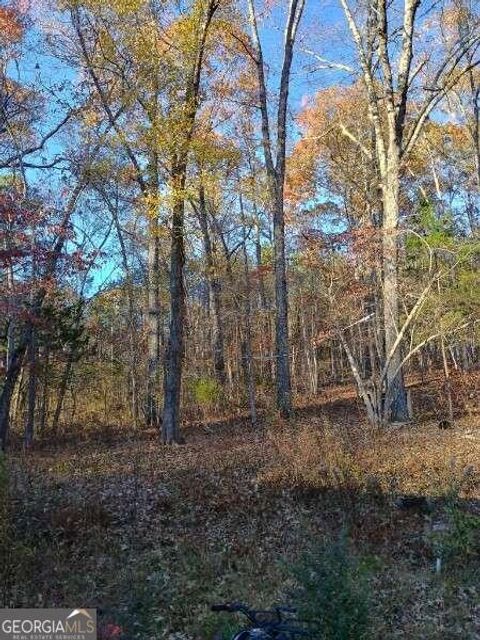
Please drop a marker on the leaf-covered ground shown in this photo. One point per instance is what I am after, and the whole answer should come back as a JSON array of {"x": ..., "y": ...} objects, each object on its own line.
[{"x": 151, "y": 536}]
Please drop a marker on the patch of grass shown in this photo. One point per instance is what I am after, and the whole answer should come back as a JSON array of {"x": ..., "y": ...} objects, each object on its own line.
[
  {"x": 144, "y": 596},
  {"x": 206, "y": 391},
  {"x": 332, "y": 591},
  {"x": 16, "y": 552},
  {"x": 312, "y": 457},
  {"x": 455, "y": 537}
]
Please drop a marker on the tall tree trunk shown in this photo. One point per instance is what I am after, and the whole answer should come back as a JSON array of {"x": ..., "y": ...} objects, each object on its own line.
[
  {"x": 396, "y": 406},
  {"x": 32, "y": 387},
  {"x": 276, "y": 180},
  {"x": 247, "y": 356},
  {"x": 45, "y": 389},
  {"x": 132, "y": 329},
  {"x": 215, "y": 291},
  {"x": 62, "y": 390},
  {"x": 472, "y": 209},
  {"x": 446, "y": 370},
  {"x": 15, "y": 365},
  {"x": 134, "y": 396},
  {"x": 258, "y": 256},
  {"x": 283, "y": 378},
  {"x": 174, "y": 351},
  {"x": 153, "y": 320}
]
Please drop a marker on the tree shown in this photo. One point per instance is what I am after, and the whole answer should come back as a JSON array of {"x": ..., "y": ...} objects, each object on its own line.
[
  {"x": 398, "y": 107},
  {"x": 275, "y": 166},
  {"x": 201, "y": 21},
  {"x": 103, "y": 45},
  {"x": 51, "y": 259},
  {"x": 21, "y": 211}
]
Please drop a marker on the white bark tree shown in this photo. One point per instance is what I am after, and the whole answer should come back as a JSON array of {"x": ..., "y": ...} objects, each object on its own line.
[{"x": 403, "y": 90}]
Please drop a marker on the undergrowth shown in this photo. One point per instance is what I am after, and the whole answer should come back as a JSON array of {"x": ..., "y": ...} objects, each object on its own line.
[
  {"x": 156, "y": 536},
  {"x": 332, "y": 590}
]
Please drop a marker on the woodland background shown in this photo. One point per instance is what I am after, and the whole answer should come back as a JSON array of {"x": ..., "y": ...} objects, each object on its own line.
[{"x": 249, "y": 228}]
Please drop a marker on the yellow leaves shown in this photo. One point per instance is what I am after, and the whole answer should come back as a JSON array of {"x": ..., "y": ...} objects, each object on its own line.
[
  {"x": 249, "y": 187},
  {"x": 213, "y": 186},
  {"x": 225, "y": 33},
  {"x": 213, "y": 152},
  {"x": 100, "y": 168},
  {"x": 126, "y": 6},
  {"x": 454, "y": 20},
  {"x": 463, "y": 81},
  {"x": 151, "y": 204},
  {"x": 154, "y": 204},
  {"x": 169, "y": 132},
  {"x": 247, "y": 82},
  {"x": 122, "y": 7},
  {"x": 107, "y": 48},
  {"x": 90, "y": 118},
  {"x": 147, "y": 43},
  {"x": 438, "y": 138},
  {"x": 183, "y": 33}
]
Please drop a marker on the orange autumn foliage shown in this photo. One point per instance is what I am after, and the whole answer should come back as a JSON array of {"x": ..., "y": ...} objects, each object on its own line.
[{"x": 11, "y": 29}]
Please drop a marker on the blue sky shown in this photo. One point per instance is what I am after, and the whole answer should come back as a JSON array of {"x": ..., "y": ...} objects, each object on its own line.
[{"x": 318, "y": 33}]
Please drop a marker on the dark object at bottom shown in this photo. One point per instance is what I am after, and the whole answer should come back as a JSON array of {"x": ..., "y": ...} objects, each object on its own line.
[
  {"x": 419, "y": 503},
  {"x": 279, "y": 623}
]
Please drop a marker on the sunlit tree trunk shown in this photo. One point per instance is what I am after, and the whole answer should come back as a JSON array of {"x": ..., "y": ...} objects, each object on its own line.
[
  {"x": 387, "y": 73},
  {"x": 396, "y": 407},
  {"x": 259, "y": 263}
]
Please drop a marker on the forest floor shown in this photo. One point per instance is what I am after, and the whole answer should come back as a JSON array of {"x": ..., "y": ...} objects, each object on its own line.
[{"x": 152, "y": 536}]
